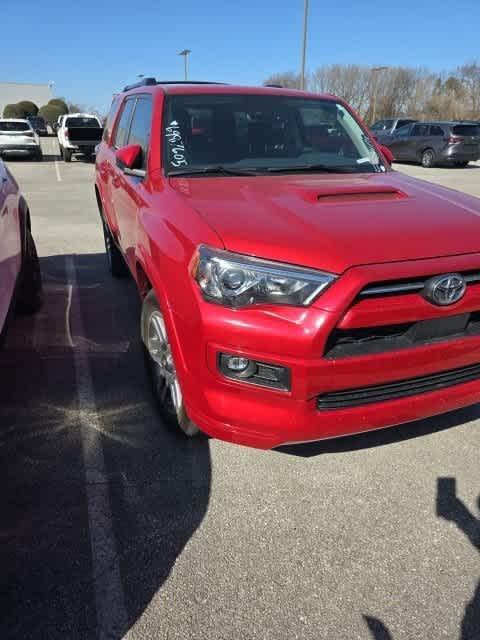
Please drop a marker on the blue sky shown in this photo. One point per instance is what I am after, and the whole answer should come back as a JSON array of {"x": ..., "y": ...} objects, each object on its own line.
[{"x": 91, "y": 49}]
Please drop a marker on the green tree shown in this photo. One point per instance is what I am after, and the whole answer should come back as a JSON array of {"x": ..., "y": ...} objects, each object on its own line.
[
  {"x": 27, "y": 108},
  {"x": 50, "y": 112},
  {"x": 60, "y": 104},
  {"x": 12, "y": 111}
]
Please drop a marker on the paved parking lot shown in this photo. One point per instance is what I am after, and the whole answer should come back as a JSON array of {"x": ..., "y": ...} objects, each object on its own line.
[{"x": 113, "y": 527}]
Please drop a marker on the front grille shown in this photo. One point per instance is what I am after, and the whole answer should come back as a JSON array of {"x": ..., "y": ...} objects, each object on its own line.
[
  {"x": 394, "y": 390},
  {"x": 348, "y": 343},
  {"x": 400, "y": 287}
]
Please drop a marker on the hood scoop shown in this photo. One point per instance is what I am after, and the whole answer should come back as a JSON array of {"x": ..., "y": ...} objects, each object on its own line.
[{"x": 366, "y": 194}]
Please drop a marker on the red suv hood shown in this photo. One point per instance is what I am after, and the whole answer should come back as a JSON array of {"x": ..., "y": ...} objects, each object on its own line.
[{"x": 333, "y": 222}]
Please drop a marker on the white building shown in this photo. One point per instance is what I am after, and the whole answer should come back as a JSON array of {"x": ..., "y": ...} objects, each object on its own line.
[{"x": 12, "y": 92}]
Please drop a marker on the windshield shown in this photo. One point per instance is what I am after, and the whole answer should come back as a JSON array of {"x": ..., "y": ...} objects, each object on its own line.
[
  {"x": 81, "y": 122},
  {"x": 263, "y": 132},
  {"x": 36, "y": 122},
  {"x": 5, "y": 125}
]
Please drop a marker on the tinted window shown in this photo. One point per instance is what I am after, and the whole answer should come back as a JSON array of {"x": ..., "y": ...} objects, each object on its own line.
[
  {"x": 403, "y": 131},
  {"x": 435, "y": 130},
  {"x": 263, "y": 132},
  {"x": 37, "y": 122},
  {"x": 81, "y": 122},
  {"x": 5, "y": 125},
  {"x": 420, "y": 130},
  {"x": 140, "y": 127},
  {"x": 378, "y": 126},
  {"x": 121, "y": 134},
  {"x": 466, "y": 130},
  {"x": 402, "y": 123},
  {"x": 111, "y": 118}
]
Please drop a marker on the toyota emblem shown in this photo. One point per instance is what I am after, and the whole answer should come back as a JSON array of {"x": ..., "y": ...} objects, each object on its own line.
[{"x": 445, "y": 290}]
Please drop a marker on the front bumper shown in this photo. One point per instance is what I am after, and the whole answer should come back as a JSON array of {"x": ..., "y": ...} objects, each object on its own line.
[{"x": 297, "y": 338}]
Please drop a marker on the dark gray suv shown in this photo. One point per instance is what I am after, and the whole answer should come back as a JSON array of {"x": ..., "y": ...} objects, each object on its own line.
[{"x": 431, "y": 143}]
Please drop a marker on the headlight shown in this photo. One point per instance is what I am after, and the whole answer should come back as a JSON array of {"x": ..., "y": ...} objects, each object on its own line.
[{"x": 236, "y": 280}]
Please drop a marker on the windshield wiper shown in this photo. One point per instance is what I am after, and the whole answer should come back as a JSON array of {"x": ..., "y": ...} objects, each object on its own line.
[
  {"x": 305, "y": 168},
  {"x": 219, "y": 170}
]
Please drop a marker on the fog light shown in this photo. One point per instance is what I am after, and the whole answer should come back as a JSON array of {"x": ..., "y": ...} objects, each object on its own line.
[
  {"x": 237, "y": 364},
  {"x": 259, "y": 373}
]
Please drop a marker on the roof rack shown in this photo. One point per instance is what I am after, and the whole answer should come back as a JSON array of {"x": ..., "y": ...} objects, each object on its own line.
[
  {"x": 144, "y": 82},
  {"x": 149, "y": 82}
]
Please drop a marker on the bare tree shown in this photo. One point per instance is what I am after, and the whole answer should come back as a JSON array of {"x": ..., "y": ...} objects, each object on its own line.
[{"x": 381, "y": 92}]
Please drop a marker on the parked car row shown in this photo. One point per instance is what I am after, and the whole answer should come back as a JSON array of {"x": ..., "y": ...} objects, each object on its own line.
[
  {"x": 294, "y": 286},
  {"x": 430, "y": 143}
]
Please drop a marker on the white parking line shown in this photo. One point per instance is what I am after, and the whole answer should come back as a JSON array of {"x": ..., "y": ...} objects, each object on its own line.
[
  {"x": 57, "y": 169},
  {"x": 109, "y": 596}
]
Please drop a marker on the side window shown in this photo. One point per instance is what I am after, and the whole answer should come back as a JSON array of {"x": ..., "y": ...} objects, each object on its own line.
[
  {"x": 141, "y": 125},
  {"x": 420, "y": 130},
  {"x": 403, "y": 123},
  {"x": 121, "y": 134},
  {"x": 435, "y": 130},
  {"x": 110, "y": 119},
  {"x": 403, "y": 131}
]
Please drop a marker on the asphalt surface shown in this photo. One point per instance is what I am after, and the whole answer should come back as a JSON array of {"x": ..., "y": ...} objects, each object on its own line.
[{"x": 114, "y": 527}]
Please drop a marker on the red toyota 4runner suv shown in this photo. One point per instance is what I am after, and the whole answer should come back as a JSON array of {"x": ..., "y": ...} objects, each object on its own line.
[{"x": 294, "y": 286}]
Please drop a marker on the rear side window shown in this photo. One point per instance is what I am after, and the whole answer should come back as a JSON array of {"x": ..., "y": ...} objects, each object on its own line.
[
  {"x": 435, "y": 130},
  {"x": 123, "y": 126},
  {"x": 466, "y": 130},
  {"x": 420, "y": 130},
  {"x": 140, "y": 127},
  {"x": 5, "y": 125},
  {"x": 81, "y": 122},
  {"x": 111, "y": 118}
]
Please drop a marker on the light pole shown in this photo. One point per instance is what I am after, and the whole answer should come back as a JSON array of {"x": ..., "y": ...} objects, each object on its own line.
[
  {"x": 185, "y": 53},
  {"x": 304, "y": 47},
  {"x": 375, "y": 71}
]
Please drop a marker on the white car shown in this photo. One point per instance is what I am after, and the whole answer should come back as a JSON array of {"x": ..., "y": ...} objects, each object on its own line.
[
  {"x": 78, "y": 133},
  {"x": 18, "y": 137},
  {"x": 20, "y": 278}
]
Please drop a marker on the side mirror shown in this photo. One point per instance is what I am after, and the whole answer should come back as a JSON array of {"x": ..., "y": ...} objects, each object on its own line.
[
  {"x": 388, "y": 155},
  {"x": 128, "y": 158}
]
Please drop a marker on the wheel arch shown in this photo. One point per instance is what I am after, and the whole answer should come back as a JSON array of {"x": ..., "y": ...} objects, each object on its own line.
[{"x": 148, "y": 277}]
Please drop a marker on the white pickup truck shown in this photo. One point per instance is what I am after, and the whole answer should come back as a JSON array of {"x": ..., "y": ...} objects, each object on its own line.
[{"x": 78, "y": 133}]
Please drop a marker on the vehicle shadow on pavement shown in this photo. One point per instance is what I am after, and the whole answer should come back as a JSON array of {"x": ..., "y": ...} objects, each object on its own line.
[
  {"x": 382, "y": 437},
  {"x": 158, "y": 483},
  {"x": 451, "y": 508}
]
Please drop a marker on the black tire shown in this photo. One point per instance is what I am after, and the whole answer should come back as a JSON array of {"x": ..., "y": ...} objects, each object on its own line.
[
  {"x": 60, "y": 148},
  {"x": 39, "y": 156},
  {"x": 116, "y": 263},
  {"x": 462, "y": 164},
  {"x": 428, "y": 158},
  {"x": 29, "y": 292},
  {"x": 173, "y": 414},
  {"x": 67, "y": 155}
]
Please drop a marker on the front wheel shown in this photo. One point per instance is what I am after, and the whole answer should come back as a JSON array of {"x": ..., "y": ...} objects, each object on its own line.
[
  {"x": 67, "y": 155},
  {"x": 161, "y": 368},
  {"x": 461, "y": 164},
  {"x": 428, "y": 158}
]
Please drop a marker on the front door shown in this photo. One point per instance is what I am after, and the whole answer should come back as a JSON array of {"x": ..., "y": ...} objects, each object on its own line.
[{"x": 129, "y": 192}]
